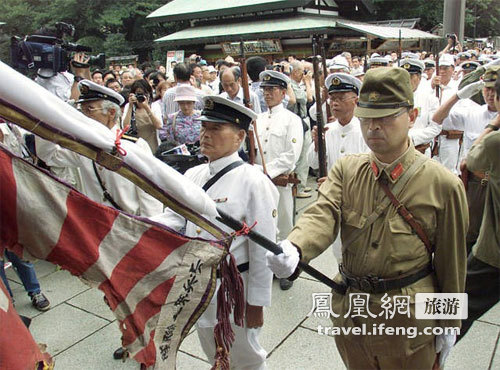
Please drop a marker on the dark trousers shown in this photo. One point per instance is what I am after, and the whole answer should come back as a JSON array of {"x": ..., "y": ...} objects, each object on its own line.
[{"x": 482, "y": 286}]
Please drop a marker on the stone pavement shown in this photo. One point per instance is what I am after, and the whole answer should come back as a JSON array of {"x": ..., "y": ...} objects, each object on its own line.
[{"x": 81, "y": 332}]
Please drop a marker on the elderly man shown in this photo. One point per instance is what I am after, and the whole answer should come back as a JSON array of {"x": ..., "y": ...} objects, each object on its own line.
[
  {"x": 483, "y": 266},
  {"x": 343, "y": 136},
  {"x": 231, "y": 83},
  {"x": 384, "y": 254},
  {"x": 99, "y": 184},
  {"x": 244, "y": 192},
  {"x": 473, "y": 119},
  {"x": 303, "y": 96},
  {"x": 281, "y": 135},
  {"x": 424, "y": 130}
]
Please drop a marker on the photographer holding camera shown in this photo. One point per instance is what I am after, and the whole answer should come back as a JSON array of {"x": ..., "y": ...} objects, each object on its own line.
[{"x": 144, "y": 120}]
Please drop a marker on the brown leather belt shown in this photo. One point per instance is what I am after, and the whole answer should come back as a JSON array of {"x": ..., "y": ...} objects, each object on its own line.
[
  {"x": 284, "y": 180},
  {"x": 482, "y": 177},
  {"x": 375, "y": 285},
  {"x": 423, "y": 147},
  {"x": 452, "y": 134}
]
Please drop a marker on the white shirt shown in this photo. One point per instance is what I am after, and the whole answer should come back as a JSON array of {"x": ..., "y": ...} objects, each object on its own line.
[
  {"x": 474, "y": 121},
  {"x": 281, "y": 136},
  {"x": 339, "y": 142},
  {"x": 128, "y": 196},
  {"x": 247, "y": 195},
  {"x": 254, "y": 100},
  {"x": 424, "y": 130}
]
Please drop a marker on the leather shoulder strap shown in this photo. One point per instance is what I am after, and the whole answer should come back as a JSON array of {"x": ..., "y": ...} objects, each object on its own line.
[
  {"x": 403, "y": 180},
  {"x": 221, "y": 173},
  {"x": 105, "y": 192},
  {"x": 406, "y": 214}
]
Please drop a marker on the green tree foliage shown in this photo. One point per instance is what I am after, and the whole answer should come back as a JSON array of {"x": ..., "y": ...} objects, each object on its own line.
[
  {"x": 484, "y": 14},
  {"x": 113, "y": 27}
]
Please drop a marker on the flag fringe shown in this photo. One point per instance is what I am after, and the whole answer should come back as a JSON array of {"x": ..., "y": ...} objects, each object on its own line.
[{"x": 229, "y": 296}]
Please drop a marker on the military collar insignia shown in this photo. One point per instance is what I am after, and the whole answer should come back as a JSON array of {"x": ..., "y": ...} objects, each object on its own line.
[{"x": 397, "y": 171}]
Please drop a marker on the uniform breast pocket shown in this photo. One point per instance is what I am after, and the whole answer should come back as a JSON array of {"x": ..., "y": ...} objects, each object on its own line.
[
  {"x": 406, "y": 245},
  {"x": 352, "y": 222}
]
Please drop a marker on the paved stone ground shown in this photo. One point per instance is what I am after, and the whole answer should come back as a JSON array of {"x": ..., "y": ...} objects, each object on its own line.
[{"x": 81, "y": 332}]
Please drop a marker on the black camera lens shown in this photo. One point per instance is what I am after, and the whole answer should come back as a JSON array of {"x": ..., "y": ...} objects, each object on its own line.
[{"x": 141, "y": 98}]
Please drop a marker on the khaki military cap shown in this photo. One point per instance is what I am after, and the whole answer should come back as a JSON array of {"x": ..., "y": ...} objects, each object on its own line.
[
  {"x": 491, "y": 75},
  {"x": 384, "y": 92}
]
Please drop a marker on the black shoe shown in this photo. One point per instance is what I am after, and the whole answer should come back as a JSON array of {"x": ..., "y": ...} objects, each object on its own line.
[
  {"x": 40, "y": 302},
  {"x": 285, "y": 284},
  {"x": 120, "y": 354}
]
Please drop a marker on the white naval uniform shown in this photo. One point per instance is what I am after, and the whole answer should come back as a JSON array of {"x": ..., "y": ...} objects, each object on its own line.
[
  {"x": 281, "y": 135},
  {"x": 449, "y": 149},
  {"x": 128, "y": 196},
  {"x": 424, "y": 129},
  {"x": 248, "y": 195},
  {"x": 339, "y": 142},
  {"x": 475, "y": 121}
]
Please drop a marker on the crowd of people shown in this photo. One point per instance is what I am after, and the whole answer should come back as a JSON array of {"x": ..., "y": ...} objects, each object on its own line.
[{"x": 428, "y": 121}]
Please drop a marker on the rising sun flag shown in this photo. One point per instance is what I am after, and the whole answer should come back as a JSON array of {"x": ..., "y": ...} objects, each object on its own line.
[{"x": 157, "y": 282}]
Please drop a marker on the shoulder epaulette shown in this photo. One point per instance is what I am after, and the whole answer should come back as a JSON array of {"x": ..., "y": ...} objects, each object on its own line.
[{"x": 130, "y": 138}]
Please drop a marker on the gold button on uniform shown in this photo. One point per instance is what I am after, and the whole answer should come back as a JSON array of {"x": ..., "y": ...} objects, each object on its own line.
[
  {"x": 198, "y": 231},
  {"x": 343, "y": 135},
  {"x": 342, "y": 150}
]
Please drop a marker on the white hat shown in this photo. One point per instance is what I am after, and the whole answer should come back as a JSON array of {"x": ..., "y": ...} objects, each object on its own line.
[
  {"x": 274, "y": 78},
  {"x": 339, "y": 62},
  {"x": 446, "y": 60},
  {"x": 90, "y": 91},
  {"x": 185, "y": 93},
  {"x": 339, "y": 82}
]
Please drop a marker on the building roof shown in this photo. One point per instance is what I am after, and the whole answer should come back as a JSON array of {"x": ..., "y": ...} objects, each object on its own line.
[
  {"x": 386, "y": 32},
  {"x": 210, "y": 34},
  {"x": 407, "y": 23},
  {"x": 193, "y": 9},
  {"x": 300, "y": 24}
]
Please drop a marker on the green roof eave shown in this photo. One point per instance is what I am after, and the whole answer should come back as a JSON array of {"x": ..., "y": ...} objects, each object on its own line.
[
  {"x": 303, "y": 25},
  {"x": 196, "y": 9}
]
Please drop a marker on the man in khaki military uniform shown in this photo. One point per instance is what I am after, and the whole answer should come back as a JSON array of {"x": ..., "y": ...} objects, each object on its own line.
[
  {"x": 483, "y": 266},
  {"x": 383, "y": 255}
]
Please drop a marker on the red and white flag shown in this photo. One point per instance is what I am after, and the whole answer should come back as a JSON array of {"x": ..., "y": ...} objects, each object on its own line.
[
  {"x": 18, "y": 350},
  {"x": 157, "y": 282}
]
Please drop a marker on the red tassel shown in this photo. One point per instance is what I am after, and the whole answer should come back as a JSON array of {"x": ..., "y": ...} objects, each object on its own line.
[{"x": 230, "y": 295}]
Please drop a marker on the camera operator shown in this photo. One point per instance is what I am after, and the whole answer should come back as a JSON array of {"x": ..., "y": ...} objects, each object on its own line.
[{"x": 140, "y": 116}]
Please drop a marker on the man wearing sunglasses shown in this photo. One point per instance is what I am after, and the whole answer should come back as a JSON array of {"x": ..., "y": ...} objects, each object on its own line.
[{"x": 403, "y": 220}]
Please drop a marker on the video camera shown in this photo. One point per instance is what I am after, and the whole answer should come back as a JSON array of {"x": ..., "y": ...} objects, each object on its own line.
[{"x": 48, "y": 50}]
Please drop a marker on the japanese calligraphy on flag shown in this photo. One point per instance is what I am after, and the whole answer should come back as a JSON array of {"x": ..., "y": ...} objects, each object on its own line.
[{"x": 157, "y": 282}]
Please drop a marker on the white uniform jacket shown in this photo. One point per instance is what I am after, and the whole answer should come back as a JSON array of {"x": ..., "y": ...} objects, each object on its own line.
[
  {"x": 248, "y": 195},
  {"x": 424, "y": 130},
  {"x": 128, "y": 196},
  {"x": 340, "y": 141},
  {"x": 474, "y": 121},
  {"x": 281, "y": 135}
]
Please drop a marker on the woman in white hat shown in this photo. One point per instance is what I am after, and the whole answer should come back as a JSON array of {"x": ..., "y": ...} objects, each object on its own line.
[{"x": 183, "y": 127}]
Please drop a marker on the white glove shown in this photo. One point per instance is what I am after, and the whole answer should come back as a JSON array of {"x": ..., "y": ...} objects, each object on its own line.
[
  {"x": 284, "y": 264},
  {"x": 470, "y": 90},
  {"x": 492, "y": 63},
  {"x": 444, "y": 344}
]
